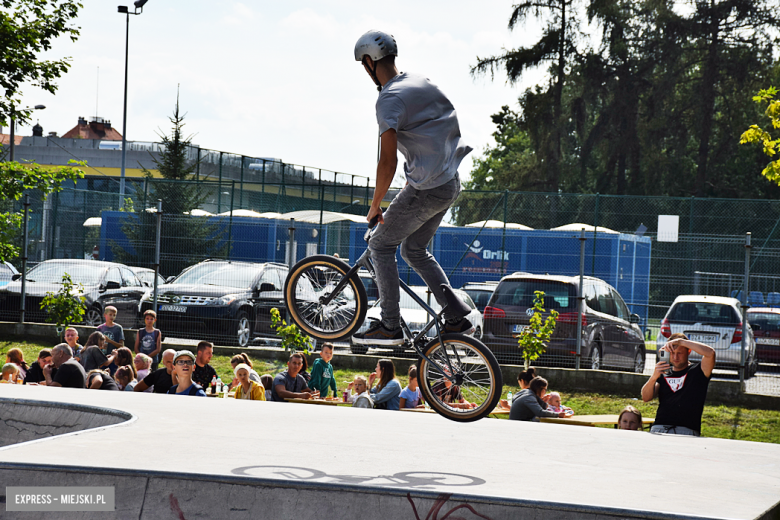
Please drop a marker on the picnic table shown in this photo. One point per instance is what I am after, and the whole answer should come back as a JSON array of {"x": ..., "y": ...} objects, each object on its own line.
[
  {"x": 592, "y": 420},
  {"x": 327, "y": 402}
]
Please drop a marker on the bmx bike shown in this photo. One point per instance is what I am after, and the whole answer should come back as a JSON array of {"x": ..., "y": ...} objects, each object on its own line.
[{"x": 327, "y": 300}]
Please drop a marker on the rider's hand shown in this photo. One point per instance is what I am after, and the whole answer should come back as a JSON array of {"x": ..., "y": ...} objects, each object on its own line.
[{"x": 375, "y": 212}]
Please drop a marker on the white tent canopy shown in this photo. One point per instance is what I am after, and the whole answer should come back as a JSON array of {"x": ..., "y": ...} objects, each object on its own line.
[
  {"x": 313, "y": 217},
  {"x": 586, "y": 227},
  {"x": 497, "y": 224}
]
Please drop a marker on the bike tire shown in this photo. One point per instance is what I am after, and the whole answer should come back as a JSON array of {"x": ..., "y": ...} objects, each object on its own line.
[
  {"x": 308, "y": 281},
  {"x": 482, "y": 381}
]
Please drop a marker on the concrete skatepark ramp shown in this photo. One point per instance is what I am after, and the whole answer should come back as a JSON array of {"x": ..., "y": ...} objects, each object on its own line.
[{"x": 188, "y": 458}]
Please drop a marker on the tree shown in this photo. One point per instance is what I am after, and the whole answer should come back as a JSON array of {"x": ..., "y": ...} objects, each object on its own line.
[
  {"x": 755, "y": 134},
  {"x": 556, "y": 45},
  {"x": 28, "y": 28},
  {"x": 186, "y": 239}
]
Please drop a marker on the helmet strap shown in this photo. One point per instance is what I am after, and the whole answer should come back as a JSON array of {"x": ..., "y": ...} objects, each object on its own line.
[{"x": 372, "y": 72}]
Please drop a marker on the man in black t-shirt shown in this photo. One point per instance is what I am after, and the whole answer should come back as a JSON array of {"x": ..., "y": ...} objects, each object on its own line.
[
  {"x": 162, "y": 378},
  {"x": 35, "y": 372},
  {"x": 70, "y": 373},
  {"x": 681, "y": 394},
  {"x": 203, "y": 372},
  {"x": 101, "y": 380}
]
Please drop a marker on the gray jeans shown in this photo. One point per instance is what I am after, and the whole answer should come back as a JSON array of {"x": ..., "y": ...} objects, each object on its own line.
[
  {"x": 411, "y": 220},
  {"x": 673, "y": 430}
]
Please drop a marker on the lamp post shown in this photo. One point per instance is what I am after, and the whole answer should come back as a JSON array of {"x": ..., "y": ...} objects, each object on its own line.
[
  {"x": 13, "y": 126},
  {"x": 356, "y": 201},
  {"x": 139, "y": 4}
]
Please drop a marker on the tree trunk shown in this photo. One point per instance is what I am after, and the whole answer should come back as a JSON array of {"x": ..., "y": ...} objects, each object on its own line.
[
  {"x": 707, "y": 90},
  {"x": 555, "y": 156}
]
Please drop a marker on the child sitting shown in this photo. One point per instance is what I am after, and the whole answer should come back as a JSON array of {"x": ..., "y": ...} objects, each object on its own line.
[
  {"x": 322, "y": 372},
  {"x": 268, "y": 383},
  {"x": 93, "y": 356},
  {"x": 10, "y": 371},
  {"x": 246, "y": 388},
  {"x": 125, "y": 378},
  {"x": 630, "y": 419},
  {"x": 554, "y": 404},
  {"x": 361, "y": 397},
  {"x": 410, "y": 396}
]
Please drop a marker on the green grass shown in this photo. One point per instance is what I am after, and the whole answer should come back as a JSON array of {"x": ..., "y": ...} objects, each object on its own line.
[{"x": 727, "y": 422}]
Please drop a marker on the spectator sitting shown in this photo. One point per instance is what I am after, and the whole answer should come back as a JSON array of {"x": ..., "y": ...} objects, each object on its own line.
[
  {"x": 72, "y": 339},
  {"x": 100, "y": 380},
  {"x": 322, "y": 372},
  {"x": 114, "y": 333},
  {"x": 386, "y": 394},
  {"x": 410, "y": 396},
  {"x": 529, "y": 404},
  {"x": 523, "y": 380},
  {"x": 267, "y": 381},
  {"x": 243, "y": 358},
  {"x": 35, "y": 372},
  {"x": 361, "y": 398},
  {"x": 183, "y": 362},
  {"x": 247, "y": 389},
  {"x": 450, "y": 394},
  {"x": 16, "y": 356},
  {"x": 125, "y": 378},
  {"x": 202, "y": 372},
  {"x": 304, "y": 373},
  {"x": 162, "y": 378},
  {"x": 92, "y": 356},
  {"x": 630, "y": 419},
  {"x": 142, "y": 364},
  {"x": 123, "y": 357},
  {"x": 70, "y": 373},
  {"x": 554, "y": 404},
  {"x": 681, "y": 394},
  {"x": 290, "y": 384},
  {"x": 10, "y": 372}
]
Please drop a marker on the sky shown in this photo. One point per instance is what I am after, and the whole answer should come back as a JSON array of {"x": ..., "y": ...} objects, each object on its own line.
[{"x": 278, "y": 79}]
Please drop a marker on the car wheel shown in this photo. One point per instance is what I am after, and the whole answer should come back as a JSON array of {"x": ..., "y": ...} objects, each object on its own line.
[
  {"x": 242, "y": 330},
  {"x": 94, "y": 317},
  {"x": 478, "y": 333},
  {"x": 639, "y": 361},
  {"x": 595, "y": 357},
  {"x": 358, "y": 349},
  {"x": 752, "y": 367}
]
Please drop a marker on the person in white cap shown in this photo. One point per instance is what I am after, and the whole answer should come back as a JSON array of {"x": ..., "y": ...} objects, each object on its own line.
[
  {"x": 246, "y": 388},
  {"x": 183, "y": 361}
]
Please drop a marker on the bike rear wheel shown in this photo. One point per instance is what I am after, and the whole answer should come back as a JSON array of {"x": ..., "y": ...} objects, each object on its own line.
[
  {"x": 477, "y": 374},
  {"x": 312, "y": 280}
]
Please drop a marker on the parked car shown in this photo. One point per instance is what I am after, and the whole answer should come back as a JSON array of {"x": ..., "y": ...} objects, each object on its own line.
[
  {"x": 715, "y": 321},
  {"x": 7, "y": 272},
  {"x": 416, "y": 317},
  {"x": 103, "y": 284},
  {"x": 610, "y": 334},
  {"x": 372, "y": 291},
  {"x": 147, "y": 276},
  {"x": 480, "y": 292},
  {"x": 765, "y": 322},
  {"x": 221, "y": 300}
]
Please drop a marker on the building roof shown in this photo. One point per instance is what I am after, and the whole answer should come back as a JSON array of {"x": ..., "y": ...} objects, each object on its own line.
[
  {"x": 5, "y": 139},
  {"x": 98, "y": 128}
]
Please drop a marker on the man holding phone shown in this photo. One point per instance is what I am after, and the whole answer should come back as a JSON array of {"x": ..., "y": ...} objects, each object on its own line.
[{"x": 682, "y": 390}]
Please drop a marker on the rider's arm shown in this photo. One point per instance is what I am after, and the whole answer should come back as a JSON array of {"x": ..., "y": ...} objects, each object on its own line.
[{"x": 385, "y": 171}]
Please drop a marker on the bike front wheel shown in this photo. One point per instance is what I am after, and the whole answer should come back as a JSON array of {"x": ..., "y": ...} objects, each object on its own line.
[
  {"x": 309, "y": 283},
  {"x": 477, "y": 384}
]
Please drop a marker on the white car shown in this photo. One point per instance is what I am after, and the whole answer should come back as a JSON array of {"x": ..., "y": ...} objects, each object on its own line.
[
  {"x": 715, "y": 321},
  {"x": 416, "y": 318}
]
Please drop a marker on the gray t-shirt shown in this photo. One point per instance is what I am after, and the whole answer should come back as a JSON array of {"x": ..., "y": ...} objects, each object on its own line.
[
  {"x": 296, "y": 384},
  {"x": 92, "y": 357},
  {"x": 427, "y": 127},
  {"x": 114, "y": 333}
]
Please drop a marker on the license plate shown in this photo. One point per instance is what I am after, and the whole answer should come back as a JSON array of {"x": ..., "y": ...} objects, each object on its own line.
[
  {"x": 517, "y": 329},
  {"x": 768, "y": 341},
  {"x": 703, "y": 338},
  {"x": 173, "y": 308}
]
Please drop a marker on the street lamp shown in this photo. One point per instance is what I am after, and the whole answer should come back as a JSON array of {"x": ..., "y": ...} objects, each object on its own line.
[
  {"x": 13, "y": 125},
  {"x": 139, "y": 4},
  {"x": 356, "y": 201}
]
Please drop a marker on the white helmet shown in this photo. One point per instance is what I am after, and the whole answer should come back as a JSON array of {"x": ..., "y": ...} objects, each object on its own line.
[{"x": 376, "y": 45}]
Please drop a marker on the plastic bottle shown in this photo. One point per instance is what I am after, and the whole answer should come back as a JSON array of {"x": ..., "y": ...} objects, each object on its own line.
[
  {"x": 509, "y": 398},
  {"x": 219, "y": 385},
  {"x": 346, "y": 395},
  {"x": 213, "y": 386}
]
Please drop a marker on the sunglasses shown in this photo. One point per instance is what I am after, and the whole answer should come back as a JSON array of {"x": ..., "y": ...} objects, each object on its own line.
[{"x": 187, "y": 362}]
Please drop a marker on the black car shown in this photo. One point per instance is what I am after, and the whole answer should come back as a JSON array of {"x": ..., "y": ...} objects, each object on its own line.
[
  {"x": 220, "y": 301},
  {"x": 104, "y": 283},
  {"x": 610, "y": 334}
]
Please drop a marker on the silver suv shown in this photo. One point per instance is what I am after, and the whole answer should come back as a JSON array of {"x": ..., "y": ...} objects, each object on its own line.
[{"x": 715, "y": 321}]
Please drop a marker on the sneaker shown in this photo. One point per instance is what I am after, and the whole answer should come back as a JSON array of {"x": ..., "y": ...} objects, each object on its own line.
[
  {"x": 462, "y": 326},
  {"x": 377, "y": 334}
]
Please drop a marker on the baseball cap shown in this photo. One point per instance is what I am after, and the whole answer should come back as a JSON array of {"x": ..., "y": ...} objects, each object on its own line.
[{"x": 183, "y": 353}]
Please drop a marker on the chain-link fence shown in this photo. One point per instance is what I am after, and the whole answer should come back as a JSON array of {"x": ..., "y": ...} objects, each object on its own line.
[{"x": 486, "y": 236}]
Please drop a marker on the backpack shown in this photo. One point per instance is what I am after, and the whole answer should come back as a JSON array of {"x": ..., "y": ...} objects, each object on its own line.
[{"x": 193, "y": 389}]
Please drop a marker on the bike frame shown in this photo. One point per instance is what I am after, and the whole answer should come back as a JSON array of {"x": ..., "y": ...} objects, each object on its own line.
[{"x": 417, "y": 341}]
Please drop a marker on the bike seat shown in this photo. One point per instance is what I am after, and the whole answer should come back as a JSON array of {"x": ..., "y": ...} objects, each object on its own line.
[{"x": 455, "y": 306}]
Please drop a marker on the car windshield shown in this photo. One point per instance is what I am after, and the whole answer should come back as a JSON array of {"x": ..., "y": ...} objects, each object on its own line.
[
  {"x": 704, "y": 312},
  {"x": 480, "y": 297},
  {"x": 766, "y": 321},
  {"x": 52, "y": 272},
  {"x": 520, "y": 293},
  {"x": 229, "y": 275},
  {"x": 406, "y": 301}
]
